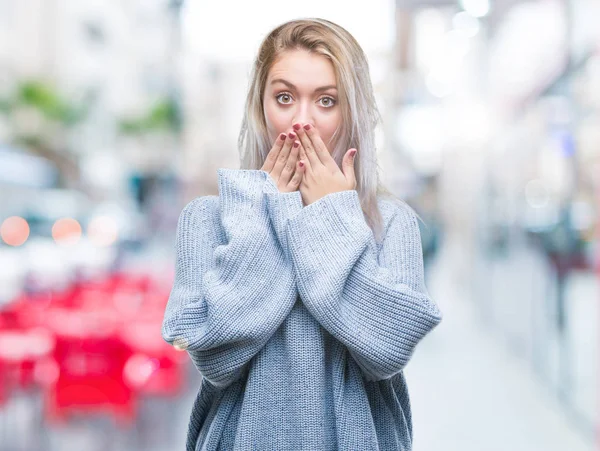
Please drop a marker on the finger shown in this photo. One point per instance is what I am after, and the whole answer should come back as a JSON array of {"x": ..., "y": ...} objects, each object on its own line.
[
  {"x": 283, "y": 155},
  {"x": 290, "y": 165},
  {"x": 320, "y": 148},
  {"x": 271, "y": 158},
  {"x": 309, "y": 148},
  {"x": 304, "y": 157},
  {"x": 297, "y": 178},
  {"x": 348, "y": 167}
]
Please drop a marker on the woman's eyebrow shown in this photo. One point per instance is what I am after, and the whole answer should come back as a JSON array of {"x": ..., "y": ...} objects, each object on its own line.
[{"x": 291, "y": 86}]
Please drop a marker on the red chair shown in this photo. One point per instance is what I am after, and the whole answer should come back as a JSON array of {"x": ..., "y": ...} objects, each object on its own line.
[
  {"x": 20, "y": 352},
  {"x": 91, "y": 359},
  {"x": 105, "y": 347}
]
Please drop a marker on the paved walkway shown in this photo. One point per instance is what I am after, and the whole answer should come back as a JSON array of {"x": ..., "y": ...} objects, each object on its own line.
[{"x": 469, "y": 392}]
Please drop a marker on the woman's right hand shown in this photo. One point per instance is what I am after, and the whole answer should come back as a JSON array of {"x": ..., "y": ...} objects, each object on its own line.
[{"x": 282, "y": 163}]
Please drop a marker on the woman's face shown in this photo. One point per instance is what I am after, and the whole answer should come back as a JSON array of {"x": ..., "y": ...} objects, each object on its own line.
[{"x": 301, "y": 88}]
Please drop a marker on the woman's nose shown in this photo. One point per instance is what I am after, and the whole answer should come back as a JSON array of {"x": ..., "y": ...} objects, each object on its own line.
[{"x": 303, "y": 115}]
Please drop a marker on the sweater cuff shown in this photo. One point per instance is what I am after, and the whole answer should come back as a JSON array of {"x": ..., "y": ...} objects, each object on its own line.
[
  {"x": 243, "y": 195},
  {"x": 281, "y": 207},
  {"x": 329, "y": 227},
  {"x": 335, "y": 214},
  {"x": 240, "y": 186}
]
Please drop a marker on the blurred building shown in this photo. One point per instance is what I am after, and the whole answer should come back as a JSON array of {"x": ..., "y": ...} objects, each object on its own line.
[
  {"x": 117, "y": 60},
  {"x": 115, "y": 114},
  {"x": 499, "y": 102}
]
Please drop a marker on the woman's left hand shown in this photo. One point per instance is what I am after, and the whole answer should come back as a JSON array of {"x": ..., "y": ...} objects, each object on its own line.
[{"x": 322, "y": 175}]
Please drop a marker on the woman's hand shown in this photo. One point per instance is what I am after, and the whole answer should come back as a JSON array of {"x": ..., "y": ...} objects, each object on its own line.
[
  {"x": 282, "y": 163},
  {"x": 322, "y": 175}
]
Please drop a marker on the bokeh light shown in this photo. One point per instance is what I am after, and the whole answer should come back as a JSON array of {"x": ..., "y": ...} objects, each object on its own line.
[
  {"x": 66, "y": 231},
  {"x": 102, "y": 231},
  {"x": 14, "y": 231}
]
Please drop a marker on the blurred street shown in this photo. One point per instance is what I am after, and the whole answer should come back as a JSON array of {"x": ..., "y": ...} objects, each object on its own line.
[
  {"x": 469, "y": 391},
  {"x": 115, "y": 115}
]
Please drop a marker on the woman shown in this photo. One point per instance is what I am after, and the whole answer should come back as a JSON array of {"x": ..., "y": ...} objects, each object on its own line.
[{"x": 299, "y": 290}]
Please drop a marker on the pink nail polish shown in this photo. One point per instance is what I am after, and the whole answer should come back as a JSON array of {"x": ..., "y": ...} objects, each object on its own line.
[
  {"x": 307, "y": 127},
  {"x": 291, "y": 135},
  {"x": 296, "y": 144},
  {"x": 296, "y": 126},
  {"x": 282, "y": 137}
]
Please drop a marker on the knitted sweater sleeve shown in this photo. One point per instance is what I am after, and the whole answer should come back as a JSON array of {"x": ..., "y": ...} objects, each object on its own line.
[
  {"x": 223, "y": 306},
  {"x": 374, "y": 302}
]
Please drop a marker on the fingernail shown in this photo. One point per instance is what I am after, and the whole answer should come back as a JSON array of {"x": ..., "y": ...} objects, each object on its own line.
[
  {"x": 307, "y": 127},
  {"x": 301, "y": 164},
  {"x": 353, "y": 152},
  {"x": 291, "y": 135},
  {"x": 296, "y": 143},
  {"x": 282, "y": 137},
  {"x": 296, "y": 126}
]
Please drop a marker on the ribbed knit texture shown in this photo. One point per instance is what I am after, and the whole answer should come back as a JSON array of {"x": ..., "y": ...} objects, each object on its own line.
[{"x": 299, "y": 323}]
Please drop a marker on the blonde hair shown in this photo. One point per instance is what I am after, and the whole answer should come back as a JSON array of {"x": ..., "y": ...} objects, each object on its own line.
[{"x": 360, "y": 115}]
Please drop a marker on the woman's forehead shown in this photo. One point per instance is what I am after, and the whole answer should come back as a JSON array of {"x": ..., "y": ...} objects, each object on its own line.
[{"x": 301, "y": 68}]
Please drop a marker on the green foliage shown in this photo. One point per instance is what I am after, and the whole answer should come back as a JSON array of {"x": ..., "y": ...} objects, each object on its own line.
[
  {"x": 163, "y": 116},
  {"x": 31, "y": 142},
  {"x": 43, "y": 97},
  {"x": 4, "y": 106}
]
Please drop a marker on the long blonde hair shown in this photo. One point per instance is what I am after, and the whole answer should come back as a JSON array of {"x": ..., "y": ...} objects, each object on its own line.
[{"x": 360, "y": 115}]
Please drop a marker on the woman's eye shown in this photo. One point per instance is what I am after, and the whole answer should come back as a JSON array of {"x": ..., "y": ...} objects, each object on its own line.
[
  {"x": 330, "y": 101},
  {"x": 283, "y": 95},
  {"x": 285, "y": 99}
]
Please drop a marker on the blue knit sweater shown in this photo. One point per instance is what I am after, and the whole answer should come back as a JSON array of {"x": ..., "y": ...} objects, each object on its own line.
[{"x": 298, "y": 320}]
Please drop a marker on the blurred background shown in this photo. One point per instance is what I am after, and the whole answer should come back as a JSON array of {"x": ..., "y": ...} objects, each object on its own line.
[{"x": 115, "y": 114}]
